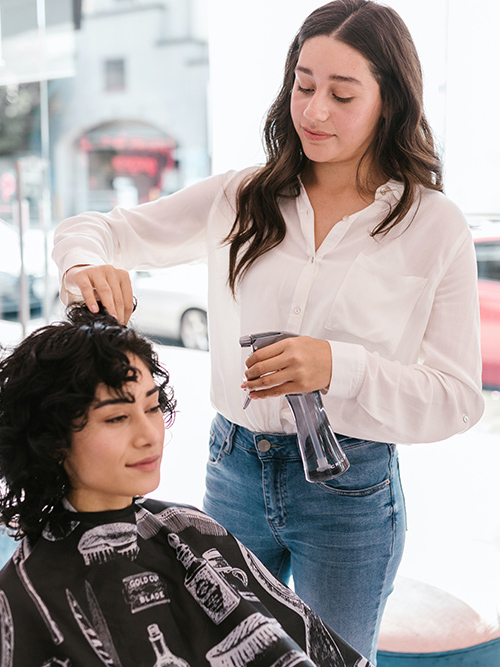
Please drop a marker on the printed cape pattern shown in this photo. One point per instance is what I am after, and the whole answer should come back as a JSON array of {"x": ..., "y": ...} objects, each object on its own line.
[{"x": 152, "y": 585}]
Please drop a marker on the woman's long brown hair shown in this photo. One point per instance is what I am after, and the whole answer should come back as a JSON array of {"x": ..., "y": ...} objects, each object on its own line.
[{"x": 403, "y": 148}]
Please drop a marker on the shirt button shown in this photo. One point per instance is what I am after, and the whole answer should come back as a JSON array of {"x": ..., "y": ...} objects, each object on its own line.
[
  {"x": 385, "y": 190},
  {"x": 296, "y": 310},
  {"x": 345, "y": 218},
  {"x": 264, "y": 446},
  {"x": 465, "y": 419}
]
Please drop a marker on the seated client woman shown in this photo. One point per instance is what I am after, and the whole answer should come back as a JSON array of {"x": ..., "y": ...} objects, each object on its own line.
[{"x": 103, "y": 575}]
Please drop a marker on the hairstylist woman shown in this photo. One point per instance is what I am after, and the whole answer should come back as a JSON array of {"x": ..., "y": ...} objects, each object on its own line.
[{"x": 345, "y": 238}]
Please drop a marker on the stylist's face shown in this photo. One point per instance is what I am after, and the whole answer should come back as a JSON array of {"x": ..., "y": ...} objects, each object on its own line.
[
  {"x": 336, "y": 103},
  {"x": 118, "y": 453}
]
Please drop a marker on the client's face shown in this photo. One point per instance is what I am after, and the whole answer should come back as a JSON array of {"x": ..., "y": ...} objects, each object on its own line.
[{"x": 118, "y": 454}]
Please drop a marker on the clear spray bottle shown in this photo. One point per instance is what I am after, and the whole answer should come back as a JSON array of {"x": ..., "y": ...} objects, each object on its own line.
[{"x": 322, "y": 456}]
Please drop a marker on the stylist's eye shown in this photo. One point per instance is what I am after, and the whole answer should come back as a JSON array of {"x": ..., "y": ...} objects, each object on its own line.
[
  {"x": 304, "y": 90},
  {"x": 156, "y": 408},
  {"x": 342, "y": 100}
]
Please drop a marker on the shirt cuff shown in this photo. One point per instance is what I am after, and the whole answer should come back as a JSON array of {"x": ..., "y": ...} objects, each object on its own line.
[
  {"x": 66, "y": 295},
  {"x": 348, "y": 369}
]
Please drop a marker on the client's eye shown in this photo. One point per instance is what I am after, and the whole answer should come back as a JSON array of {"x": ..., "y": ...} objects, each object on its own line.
[{"x": 116, "y": 420}]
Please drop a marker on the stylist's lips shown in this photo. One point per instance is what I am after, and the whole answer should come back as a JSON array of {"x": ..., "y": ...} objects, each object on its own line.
[
  {"x": 315, "y": 136},
  {"x": 145, "y": 465}
]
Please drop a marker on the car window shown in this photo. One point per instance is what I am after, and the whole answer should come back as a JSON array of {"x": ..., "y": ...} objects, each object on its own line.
[{"x": 488, "y": 260}]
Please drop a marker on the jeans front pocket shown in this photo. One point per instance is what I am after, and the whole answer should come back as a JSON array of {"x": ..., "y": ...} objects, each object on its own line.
[{"x": 369, "y": 471}]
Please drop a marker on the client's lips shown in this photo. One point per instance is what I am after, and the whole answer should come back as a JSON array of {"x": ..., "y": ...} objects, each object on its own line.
[{"x": 146, "y": 465}]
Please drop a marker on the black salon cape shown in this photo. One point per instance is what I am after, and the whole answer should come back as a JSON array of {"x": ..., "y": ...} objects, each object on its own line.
[{"x": 152, "y": 585}]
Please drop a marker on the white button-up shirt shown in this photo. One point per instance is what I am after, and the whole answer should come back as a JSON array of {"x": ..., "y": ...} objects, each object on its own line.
[{"x": 400, "y": 311}]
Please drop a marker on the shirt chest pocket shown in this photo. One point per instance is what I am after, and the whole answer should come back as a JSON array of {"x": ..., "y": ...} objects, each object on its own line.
[{"x": 374, "y": 303}]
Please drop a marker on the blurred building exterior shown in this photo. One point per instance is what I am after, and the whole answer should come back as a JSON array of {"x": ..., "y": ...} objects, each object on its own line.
[{"x": 107, "y": 99}]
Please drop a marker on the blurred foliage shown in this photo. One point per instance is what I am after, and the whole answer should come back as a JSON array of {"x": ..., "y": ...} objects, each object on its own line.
[{"x": 18, "y": 114}]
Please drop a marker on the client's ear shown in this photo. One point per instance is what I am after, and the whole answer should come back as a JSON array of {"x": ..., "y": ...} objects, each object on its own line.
[{"x": 60, "y": 454}]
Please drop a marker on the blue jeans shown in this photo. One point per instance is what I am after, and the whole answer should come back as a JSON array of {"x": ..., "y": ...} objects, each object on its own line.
[{"x": 341, "y": 540}]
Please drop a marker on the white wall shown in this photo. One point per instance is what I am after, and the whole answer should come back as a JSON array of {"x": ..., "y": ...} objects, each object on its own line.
[
  {"x": 473, "y": 106},
  {"x": 457, "y": 44},
  {"x": 248, "y": 45}
]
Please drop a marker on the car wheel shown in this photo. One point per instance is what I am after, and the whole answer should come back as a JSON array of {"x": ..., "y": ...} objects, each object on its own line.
[{"x": 194, "y": 329}]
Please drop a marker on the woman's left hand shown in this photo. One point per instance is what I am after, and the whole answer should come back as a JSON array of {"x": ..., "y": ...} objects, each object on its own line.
[{"x": 291, "y": 366}]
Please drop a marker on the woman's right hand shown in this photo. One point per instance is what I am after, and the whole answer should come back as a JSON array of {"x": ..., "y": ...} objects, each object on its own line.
[{"x": 111, "y": 286}]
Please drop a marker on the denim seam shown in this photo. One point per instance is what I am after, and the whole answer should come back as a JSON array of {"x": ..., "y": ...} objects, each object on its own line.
[
  {"x": 284, "y": 557},
  {"x": 212, "y": 462},
  {"x": 393, "y": 500},
  {"x": 227, "y": 445},
  {"x": 229, "y": 440},
  {"x": 360, "y": 443},
  {"x": 393, "y": 538},
  {"x": 281, "y": 491},
  {"x": 277, "y": 538},
  {"x": 271, "y": 524},
  {"x": 403, "y": 499},
  {"x": 360, "y": 493}
]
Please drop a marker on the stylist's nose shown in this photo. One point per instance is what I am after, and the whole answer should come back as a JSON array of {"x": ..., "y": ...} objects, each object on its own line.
[{"x": 316, "y": 110}]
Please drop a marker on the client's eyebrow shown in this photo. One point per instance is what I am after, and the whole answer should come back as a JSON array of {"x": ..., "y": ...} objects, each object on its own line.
[{"x": 119, "y": 399}]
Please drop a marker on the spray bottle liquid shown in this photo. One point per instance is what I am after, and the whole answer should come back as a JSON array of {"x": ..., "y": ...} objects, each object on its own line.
[{"x": 322, "y": 456}]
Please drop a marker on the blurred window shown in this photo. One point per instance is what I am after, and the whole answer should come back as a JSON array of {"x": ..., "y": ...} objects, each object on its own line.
[
  {"x": 488, "y": 260},
  {"x": 67, "y": 146},
  {"x": 114, "y": 73}
]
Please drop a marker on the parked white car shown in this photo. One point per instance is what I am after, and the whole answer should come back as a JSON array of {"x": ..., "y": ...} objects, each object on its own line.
[
  {"x": 172, "y": 304},
  {"x": 39, "y": 287}
]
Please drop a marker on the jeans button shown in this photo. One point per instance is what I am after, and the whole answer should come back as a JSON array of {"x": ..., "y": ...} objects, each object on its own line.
[{"x": 264, "y": 445}]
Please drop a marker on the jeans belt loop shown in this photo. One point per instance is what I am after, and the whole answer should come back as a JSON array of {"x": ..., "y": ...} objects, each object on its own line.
[{"x": 228, "y": 442}]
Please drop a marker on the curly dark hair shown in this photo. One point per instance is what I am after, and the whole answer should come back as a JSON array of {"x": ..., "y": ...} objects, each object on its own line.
[
  {"x": 47, "y": 385},
  {"x": 403, "y": 147}
]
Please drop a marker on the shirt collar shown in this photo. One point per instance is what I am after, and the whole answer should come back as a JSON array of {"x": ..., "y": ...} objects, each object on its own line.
[{"x": 390, "y": 190}]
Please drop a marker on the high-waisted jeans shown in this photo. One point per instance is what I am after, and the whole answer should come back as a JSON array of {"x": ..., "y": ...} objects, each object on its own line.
[{"x": 341, "y": 540}]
